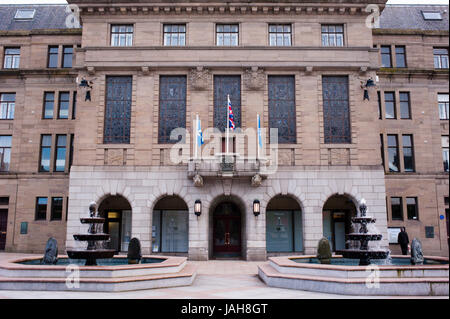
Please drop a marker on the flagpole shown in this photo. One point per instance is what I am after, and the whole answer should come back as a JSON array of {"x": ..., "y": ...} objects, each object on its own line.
[{"x": 228, "y": 124}]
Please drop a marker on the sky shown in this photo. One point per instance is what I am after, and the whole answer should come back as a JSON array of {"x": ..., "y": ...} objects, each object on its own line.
[{"x": 63, "y": 1}]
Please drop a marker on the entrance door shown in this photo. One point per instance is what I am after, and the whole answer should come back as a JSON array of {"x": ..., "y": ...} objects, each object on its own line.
[
  {"x": 113, "y": 228},
  {"x": 3, "y": 225},
  {"x": 227, "y": 231}
]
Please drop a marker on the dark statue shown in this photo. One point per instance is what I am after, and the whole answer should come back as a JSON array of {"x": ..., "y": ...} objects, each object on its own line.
[
  {"x": 416, "y": 252},
  {"x": 324, "y": 251},
  {"x": 134, "y": 251},
  {"x": 51, "y": 252}
]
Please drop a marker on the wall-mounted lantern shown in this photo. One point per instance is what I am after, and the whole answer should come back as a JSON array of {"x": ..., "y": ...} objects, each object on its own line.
[
  {"x": 256, "y": 208},
  {"x": 198, "y": 208}
]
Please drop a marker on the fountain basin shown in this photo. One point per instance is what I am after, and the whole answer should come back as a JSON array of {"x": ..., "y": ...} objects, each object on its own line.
[
  {"x": 367, "y": 236},
  {"x": 399, "y": 279},
  {"x": 92, "y": 220},
  {"x": 95, "y": 237},
  {"x": 358, "y": 253}
]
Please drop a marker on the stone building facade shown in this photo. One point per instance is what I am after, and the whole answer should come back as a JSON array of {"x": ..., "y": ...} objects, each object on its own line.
[{"x": 132, "y": 58}]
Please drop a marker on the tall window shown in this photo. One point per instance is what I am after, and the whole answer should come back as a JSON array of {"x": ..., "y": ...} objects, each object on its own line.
[
  {"x": 408, "y": 153},
  {"x": 67, "y": 56},
  {"x": 400, "y": 56},
  {"x": 122, "y": 35},
  {"x": 74, "y": 106},
  {"x": 280, "y": 35},
  {"x": 336, "y": 109},
  {"x": 333, "y": 35},
  {"x": 49, "y": 104},
  {"x": 174, "y": 34},
  {"x": 72, "y": 137},
  {"x": 379, "y": 105},
  {"x": 5, "y": 152},
  {"x": 389, "y": 103},
  {"x": 172, "y": 107},
  {"x": 405, "y": 105},
  {"x": 386, "y": 57},
  {"x": 226, "y": 85},
  {"x": 445, "y": 154},
  {"x": 12, "y": 58},
  {"x": 411, "y": 208},
  {"x": 7, "y": 106},
  {"x": 60, "y": 155},
  {"x": 394, "y": 163},
  {"x": 41, "y": 208},
  {"x": 63, "y": 105},
  {"x": 118, "y": 110},
  {"x": 382, "y": 150},
  {"x": 282, "y": 108},
  {"x": 52, "y": 57},
  {"x": 227, "y": 34},
  {"x": 443, "y": 106},
  {"x": 396, "y": 208},
  {"x": 440, "y": 58},
  {"x": 56, "y": 208},
  {"x": 46, "y": 149}
]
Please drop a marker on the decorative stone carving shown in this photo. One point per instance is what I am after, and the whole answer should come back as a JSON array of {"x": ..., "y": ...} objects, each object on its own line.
[
  {"x": 339, "y": 156},
  {"x": 254, "y": 79},
  {"x": 199, "y": 78},
  {"x": 198, "y": 181},
  {"x": 286, "y": 157},
  {"x": 256, "y": 180},
  {"x": 114, "y": 156}
]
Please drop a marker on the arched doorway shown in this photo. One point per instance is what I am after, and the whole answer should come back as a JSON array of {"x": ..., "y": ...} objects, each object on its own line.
[
  {"x": 338, "y": 211},
  {"x": 227, "y": 230},
  {"x": 170, "y": 226},
  {"x": 284, "y": 225},
  {"x": 117, "y": 212}
]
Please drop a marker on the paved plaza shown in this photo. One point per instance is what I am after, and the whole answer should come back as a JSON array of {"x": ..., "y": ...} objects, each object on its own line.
[{"x": 216, "y": 279}]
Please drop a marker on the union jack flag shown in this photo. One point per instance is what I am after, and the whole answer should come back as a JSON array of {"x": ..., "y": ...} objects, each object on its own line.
[{"x": 232, "y": 126}]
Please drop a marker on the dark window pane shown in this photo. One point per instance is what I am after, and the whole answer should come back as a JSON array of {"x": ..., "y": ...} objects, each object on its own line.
[
  {"x": 389, "y": 102},
  {"x": 53, "y": 57},
  {"x": 67, "y": 57},
  {"x": 56, "y": 210},
  {"x": 336, "y": 109},
  {"x": 46, "y": 142},
  {"x": 400, "y": 57},
  {"x": 41, "y": 208},
  {"x": 382, "y": 149},
  {"x": 396, "y": 207},
  {"x": 172, "y": 107},
  {"x": 227, "y": 85},
  {"x": 411, "y": 208}
]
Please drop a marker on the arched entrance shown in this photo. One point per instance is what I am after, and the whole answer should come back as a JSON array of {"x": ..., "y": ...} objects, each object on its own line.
[
  {"x": 170, "y": 226},
  {"x": 338, "y": 211},
  {"x": 227, "y": 230},
  {"x": 117, "y": 212},
  {"x": 284, "y": 225}
]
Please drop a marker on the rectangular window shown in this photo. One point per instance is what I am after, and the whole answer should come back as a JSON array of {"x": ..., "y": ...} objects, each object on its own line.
[
  {"x": 445, "y": 154},
  {"x": 386, "y": 57},
  {"x": 394, "y": 164},
  {"x": 282, "y": 108},
  {"x": 5, "y": 152},
  {"x": 52, "y": 57},
  {"x": 63, "y": 105},
  {"x": 4, "y": 201},
  {"x": 61, "y": 146},
  {"x": 382, "y": 150},
  {"x": 122, "y": 35},
  {"x": 396, "y": 208},
  {"x": 336, "y": 109},
  {"x": 49, "y": 105},
  {"x": 57, "y": 208},
  {"x": 400, "y": 56},
  {"x": 172, "y": 107},
  {"x": 74, "y": 106},
  {"x": 440, "y": 58},
  {"x": 389, "y": 103},
  {"x": 174, "y": 34},
  {"x": 7, "y": 106},
  {"x": 332, "y": 35},
  {"x": 379, "y": 105},
  {"x": 227, "y": 34},
  {"x": 411, "y": 208},
  {"x": 432, "y": 15},
  {"x": 67, "y": 56},
  {"x": 280, "y": 35},
  {"x": 225, "y": 85},
  {"x": 24, "y": 14},
  {"x": 443, "y": 106},
  {"x": 41, "y": 208},
  {"x": 12, "y": 58},
  {"x": 408, "y": 153},
  {"x": 118, "y": 110},
  {"x": 72, "y": 136},
  {"x": 46, "y": 148},
  {"x": 405, "y": 105}
]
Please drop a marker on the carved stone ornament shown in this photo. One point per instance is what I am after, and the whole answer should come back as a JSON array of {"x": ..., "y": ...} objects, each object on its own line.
[
  {"x": 254, "y": 79},
  {"x": 199, "y": 78},
  {"x": 198, "y": 181},
  {"x": 256, "y": 180}
]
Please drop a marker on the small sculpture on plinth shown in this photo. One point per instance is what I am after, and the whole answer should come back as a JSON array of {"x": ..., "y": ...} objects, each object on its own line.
[
  {"x": 51, "y": 252},
  {"x": 324, "y": 251},
  {"x": 416, "y": 252},
  {"x": 134, "y": 251}
]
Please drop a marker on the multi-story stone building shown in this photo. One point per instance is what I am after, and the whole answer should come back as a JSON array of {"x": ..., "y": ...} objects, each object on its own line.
[{"x": 143, "y": 68}]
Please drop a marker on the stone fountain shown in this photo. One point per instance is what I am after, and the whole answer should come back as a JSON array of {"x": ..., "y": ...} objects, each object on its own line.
[
  {"x": 92, "y": 252},
  {"x": 364, "y": 253}
]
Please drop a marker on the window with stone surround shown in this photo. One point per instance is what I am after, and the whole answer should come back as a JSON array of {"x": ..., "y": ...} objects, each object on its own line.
[
  {"x": 5, "y": 152},
  {"x": 45, "y": 153},
  {"x": 225, "y": 85},
  {"x": 389, "y": 104},
  {"x": 63, "y": 105},
  {"x": 396, "y": 208},
  {"x": 49, "y": 105},
  {"x": 400, "y": 56},
  {"x": 122, "y": 35},
  {"x": 227, "y": 34},
  {"x": 336, "y": 110},
  {"x": 394, "y": 161},
  {"x": 174, "y": 34},
  {"x": 12, "y": 58},
  {"x": 118, "y": 110},
  {"x": 405, "y": 105},
  {"x": 280, "y": 35},
  {"x": 332, "y": 35},
  {"x": 67, "y": 56},
  {"x": 60, "y": 154},
  {"x": 412, "y": 209},
  {"x": 282, "y": 115},
  {"x": 52, "y": 58},
  {"x": 445, "y": 152},
  {"x": 41, "y": 208},
  {"x": 440, "y": 58},
  {"x": 7, "y": 106},
  {"x": 443, "y": 106},
  {"x": 56, "y": 208},
  {"x": 408, "y": 153},
  {"x": 386, "y": 57},
  {"x": 172, "y": 106}
]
